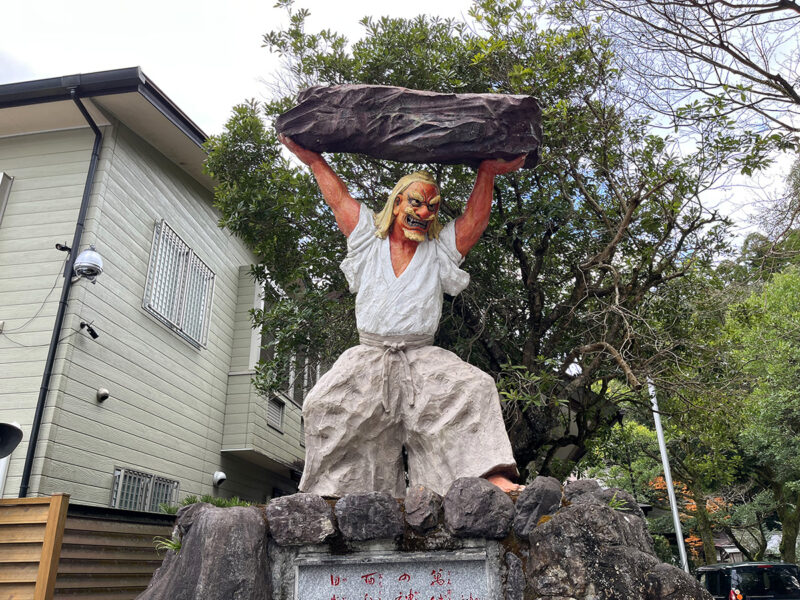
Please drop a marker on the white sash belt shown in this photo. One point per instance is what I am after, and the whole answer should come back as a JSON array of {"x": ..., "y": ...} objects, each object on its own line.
[{"x": 395, "y": 345}]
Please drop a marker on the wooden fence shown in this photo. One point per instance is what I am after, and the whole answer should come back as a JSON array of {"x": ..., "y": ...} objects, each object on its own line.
[
  {"x": 50, "y": 550},
  {"x": 31, "y": 530},
  {"x": 108, "y": 553}
]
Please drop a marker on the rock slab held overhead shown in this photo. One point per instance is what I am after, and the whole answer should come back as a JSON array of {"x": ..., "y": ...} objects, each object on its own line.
[{"x": 417, "y": 126}]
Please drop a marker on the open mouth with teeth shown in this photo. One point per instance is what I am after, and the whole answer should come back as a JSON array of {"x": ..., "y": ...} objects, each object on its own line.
[{"x": 414, "y": 223}]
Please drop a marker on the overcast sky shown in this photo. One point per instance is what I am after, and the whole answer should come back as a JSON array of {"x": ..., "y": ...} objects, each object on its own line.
[{"x": 206, "y": 55}]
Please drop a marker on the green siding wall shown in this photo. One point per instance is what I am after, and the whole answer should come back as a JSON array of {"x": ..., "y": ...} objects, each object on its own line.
[{"x": 168, "y": 406}]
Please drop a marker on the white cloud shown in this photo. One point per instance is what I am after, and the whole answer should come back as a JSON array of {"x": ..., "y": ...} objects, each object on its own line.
[{"x": 204, "y": 54}]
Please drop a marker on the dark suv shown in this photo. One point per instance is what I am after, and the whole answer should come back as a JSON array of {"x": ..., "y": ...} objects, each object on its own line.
[{"x": 751, "y": 580}]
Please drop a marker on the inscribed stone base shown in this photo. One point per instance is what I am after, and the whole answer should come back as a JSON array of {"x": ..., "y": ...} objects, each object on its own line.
[{"x": 467, "y": 574}]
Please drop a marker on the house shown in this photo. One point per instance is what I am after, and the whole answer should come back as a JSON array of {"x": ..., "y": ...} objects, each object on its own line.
[{"x": 132, "y": 387}]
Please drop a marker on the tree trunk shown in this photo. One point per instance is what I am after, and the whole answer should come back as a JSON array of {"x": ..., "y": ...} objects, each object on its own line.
[
  {"x": 760, "y": 551},
  {"x": 704, "y": 528},
  {"x": 745, "y": 552},
  {"x": 789, "y": 513}
]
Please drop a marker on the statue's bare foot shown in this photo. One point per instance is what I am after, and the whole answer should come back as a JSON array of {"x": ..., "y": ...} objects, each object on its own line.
[{"x": 504, "y": 483}]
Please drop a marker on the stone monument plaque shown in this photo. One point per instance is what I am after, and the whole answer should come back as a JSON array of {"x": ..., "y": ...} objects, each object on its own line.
[{"x": 462, "y": 575}]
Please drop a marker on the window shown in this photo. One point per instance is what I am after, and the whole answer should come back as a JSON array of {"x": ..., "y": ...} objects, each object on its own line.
[
  {"x": 5, "y": 188},
  {"x": 180, "y": 286},
  {"x": 135, "y": 490},
  {"x": 275, "y": 413}
]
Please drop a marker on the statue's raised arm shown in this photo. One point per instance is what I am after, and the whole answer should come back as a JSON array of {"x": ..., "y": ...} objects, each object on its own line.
[
  {"x": 472, "y": 223},
  {"x": 345, "y": 208}
]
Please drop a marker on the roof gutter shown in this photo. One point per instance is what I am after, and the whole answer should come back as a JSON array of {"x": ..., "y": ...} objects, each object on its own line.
[
  {"x": 102, "y": 83},
  {"x": 62, "y": 306}
]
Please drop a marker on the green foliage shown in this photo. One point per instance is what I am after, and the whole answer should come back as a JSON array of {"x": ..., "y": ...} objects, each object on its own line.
[
  {"x": 617, "y": 504},
  {"x": 172, "y": 509},
  {"x": 165, "y": 544},
  {"x": 625, "y": 457},
  {"x": 576, "y": 280},
  {"x": 766, "y": 328},
  {"x": 764, "y": 343},
  {"x": 169, "y": 509},
  {"x": 664, "y": 550}
]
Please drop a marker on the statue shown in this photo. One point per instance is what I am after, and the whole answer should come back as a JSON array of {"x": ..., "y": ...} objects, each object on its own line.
[{"x": 395, "y": 390}]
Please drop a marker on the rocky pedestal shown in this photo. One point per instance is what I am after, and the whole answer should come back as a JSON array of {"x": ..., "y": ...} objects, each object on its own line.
[{"x": 475, "y": 543}]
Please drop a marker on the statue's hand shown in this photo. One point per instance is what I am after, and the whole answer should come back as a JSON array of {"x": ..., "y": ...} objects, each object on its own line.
[
  {"x": 307, "y": 157},
  {"x": 498, "y": 166}
]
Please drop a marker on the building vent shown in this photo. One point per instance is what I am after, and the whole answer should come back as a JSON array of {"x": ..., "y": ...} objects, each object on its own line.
[
  {"x": 135, "y": 490},
  {"x": 275, "y": 413}
]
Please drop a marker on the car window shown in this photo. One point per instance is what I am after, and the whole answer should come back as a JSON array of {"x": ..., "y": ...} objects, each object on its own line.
[
  {"x": 708, "y": 581},
  {"x": 724, "y": 583},
  {"x": 716, "y": 582},
  {"x": 768, "y": 579}
]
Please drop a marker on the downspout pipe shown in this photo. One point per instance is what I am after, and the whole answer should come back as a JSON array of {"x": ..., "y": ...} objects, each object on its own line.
[{"x": 62, "y": 306}]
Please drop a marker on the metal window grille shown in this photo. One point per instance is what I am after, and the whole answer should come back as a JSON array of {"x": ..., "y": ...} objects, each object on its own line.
[
  {"x": 135, "y": 490},
  {"x": 180, "y": 286},
  {"x": 275, "y": 413},
  {"x": 162, "y": 490}
]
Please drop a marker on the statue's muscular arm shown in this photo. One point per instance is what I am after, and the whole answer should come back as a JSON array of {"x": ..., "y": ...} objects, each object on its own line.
[
  {"x": 345, "y": 208},
  {"x": 472, "y": 223}
]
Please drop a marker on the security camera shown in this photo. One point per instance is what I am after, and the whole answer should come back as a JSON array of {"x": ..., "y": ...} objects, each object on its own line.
[
  {"x": 102, "y": 394},
  {"x": 88, "y": 327},
  {"x": 89, "y": 264},
  {"x": 219, "y": 478}
]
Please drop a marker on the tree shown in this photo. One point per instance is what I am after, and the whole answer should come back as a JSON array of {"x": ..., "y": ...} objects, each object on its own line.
[
  {"x": 765, "y": 336},
  {"x": 742, "y": 57},
  {"x": 572, "y": 280},
  {"x": 747, "y": 514},
  {"x": 702, "y": 453},
  {"x": 702, "y": 460}
]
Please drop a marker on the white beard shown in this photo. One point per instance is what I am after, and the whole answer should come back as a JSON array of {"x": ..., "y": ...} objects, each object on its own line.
[{"x": 415, "y": 236}]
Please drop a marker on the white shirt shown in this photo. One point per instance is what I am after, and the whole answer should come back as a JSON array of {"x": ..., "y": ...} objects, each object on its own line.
[{"x": 408, "y": 304}]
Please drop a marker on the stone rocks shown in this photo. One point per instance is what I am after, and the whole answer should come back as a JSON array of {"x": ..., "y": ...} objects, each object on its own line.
[
  {"x": 593, "y": 551},
  {"x": 585, "y": 551},
  {"x": 578, "y": 487},
  {"x": 665, "y": 582},
  {"x": 300, "y": 519},
  {"x": 223, "y": 556},
  {"x": 422, "y": 509},
  {"x": 620, "y": 500},
  {"x": 414, "y": 126},
  {"x": 540, "y": 498},
  {"x": 473, "y": 507},
  {"x": 369, "y": 516},
  {"x": 515, "y": 579},
  {"x": 578, "y": 492}
]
